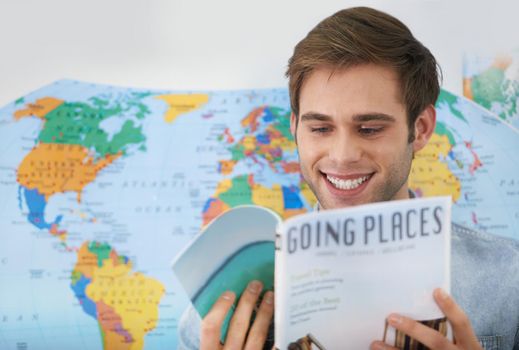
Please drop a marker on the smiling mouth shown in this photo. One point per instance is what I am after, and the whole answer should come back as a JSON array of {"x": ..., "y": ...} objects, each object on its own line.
[{"x": 347, "y": 184}]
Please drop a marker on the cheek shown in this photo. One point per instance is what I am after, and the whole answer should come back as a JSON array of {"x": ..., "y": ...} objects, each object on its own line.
[
  {"x": 389, "y": 150},
  {"x": 382, "y": 153},
  {"x": 309, "y": 150}
]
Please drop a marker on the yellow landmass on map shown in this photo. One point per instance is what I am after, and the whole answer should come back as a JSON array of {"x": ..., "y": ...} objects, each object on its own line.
[
  {"x": 133, "y": 297},
  {"x": 56, "y": 168},
  {"x": 249, "y": 143},
  {"x": 180, "y": 104},
  {"x": 39, "y": 109},
  {"x": 429, "y": 175},
  {"x": 308, "y": 194},
  {"x": 284, "y": 143},
  {"x": 223, "y": 186},
  {"x": 270, "y": 198}
]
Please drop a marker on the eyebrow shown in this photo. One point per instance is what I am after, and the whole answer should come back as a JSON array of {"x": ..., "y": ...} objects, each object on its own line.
[
  {"x": 359, "y": 118},
  {"x": 315, "y": 116},
  {"x": 362, "y": 118}
]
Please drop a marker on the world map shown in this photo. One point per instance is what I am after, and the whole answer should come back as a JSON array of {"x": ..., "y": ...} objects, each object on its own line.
[
  {"x": 492, "y": 81},
  {"x": 102, "y": 186}
]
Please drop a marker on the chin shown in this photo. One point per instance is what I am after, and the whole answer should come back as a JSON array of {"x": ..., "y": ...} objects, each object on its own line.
[{"x": 343, "y": 203}]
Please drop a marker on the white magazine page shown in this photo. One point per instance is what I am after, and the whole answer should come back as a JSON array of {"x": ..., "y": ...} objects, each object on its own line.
[{"x": 340, "y": 273}]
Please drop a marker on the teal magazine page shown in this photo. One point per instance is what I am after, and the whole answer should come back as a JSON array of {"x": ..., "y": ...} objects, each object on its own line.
[{"x": 232, "y": 250}]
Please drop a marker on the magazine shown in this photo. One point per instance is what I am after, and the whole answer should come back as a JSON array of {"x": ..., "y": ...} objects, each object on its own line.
[{"x": 337, "y": 274}]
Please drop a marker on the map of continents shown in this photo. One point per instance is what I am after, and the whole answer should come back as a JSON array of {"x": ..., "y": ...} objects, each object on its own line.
[
  {"x": 264, "y": 142},
  {"x": 472, "y": 157},
  {"x": 104, "y": 186},
  {"x": 492, "y": 81},
  {"x": 70, "y": 151}
]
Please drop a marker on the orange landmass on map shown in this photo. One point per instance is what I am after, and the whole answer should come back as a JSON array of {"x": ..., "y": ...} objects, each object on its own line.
[
  {"x": 251, "y": 120},
  {"x": 216, "y": 207},
  {"x": 55, "y": 231},
  {"x": 109, "y": 322},
  {"x": 227, "y": 166},
  {"x": 502, "y": 62},
  {"x": 39, "y": 109},
  {"x": 86, "y": 261},
  {"x": 467, "y": 88},
  {"x": 476, "y": 164},
  {"x": 290, "y": 167},
  {"x": 57, "y": 168},
  {"x": 292, "y": 212}
]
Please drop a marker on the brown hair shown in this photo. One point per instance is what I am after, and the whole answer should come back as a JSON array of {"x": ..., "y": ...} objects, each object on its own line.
[{"x": 362, "y": 35}]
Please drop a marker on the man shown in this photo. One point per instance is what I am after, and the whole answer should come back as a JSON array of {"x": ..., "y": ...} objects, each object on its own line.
[{"x": 362, "y": 92}]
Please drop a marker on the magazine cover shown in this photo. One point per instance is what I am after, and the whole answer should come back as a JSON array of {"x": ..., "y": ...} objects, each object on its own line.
[{"x": 338, "y": 273}]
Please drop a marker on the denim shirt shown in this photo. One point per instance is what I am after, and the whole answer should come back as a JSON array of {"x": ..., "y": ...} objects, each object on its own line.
[{"x": 484, "y": 283}]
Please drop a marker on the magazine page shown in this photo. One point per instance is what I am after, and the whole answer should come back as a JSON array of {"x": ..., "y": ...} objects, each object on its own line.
[
  {"x": 235, "y": 248},
  {"x": 340, "y": 273}
]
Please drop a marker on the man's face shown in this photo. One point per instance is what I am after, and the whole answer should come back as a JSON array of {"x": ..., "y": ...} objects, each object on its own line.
[{"x": 352, "y": 136}]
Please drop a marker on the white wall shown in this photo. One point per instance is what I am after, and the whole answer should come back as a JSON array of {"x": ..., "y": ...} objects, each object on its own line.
[{"x": 225, "y": 44}]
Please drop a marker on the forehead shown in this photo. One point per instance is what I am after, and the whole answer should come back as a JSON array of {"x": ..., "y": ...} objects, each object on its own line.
[{"x": 352, "y": 91}]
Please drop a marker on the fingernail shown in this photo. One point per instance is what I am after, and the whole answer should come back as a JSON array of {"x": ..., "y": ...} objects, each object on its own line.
[
  {"x": 395, "y": 319},
  {"x": 442, "y": 294},
  {"x": 228, "y": 295},
  {"x": 254, "y": 287},
  {"x": 269, "y": 298}
]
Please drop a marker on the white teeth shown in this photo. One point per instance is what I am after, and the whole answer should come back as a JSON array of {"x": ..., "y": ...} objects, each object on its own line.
[{"x": 346, "y": 184}]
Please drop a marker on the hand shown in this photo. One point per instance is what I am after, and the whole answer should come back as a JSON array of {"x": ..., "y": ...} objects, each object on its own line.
[
  {"x": 237, "y": 337},
  {"x": 464, "y": 336}
]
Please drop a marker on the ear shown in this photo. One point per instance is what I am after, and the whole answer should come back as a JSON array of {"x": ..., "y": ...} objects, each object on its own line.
[
  {"x": 424, "y": 127},
  {"x": 293, "y": 125}
]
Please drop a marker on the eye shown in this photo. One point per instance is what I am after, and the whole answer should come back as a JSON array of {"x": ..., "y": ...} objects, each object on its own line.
[
  {"x": 320, "y": 130},
  {"x": 370, "y": 131}
]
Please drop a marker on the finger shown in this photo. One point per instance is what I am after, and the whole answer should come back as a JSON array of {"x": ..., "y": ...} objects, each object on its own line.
[
  {"x": 379, "y": 345},
  {"x": 212, "y": 322},
  {"x": 240, "y": 321},
  {"x": 425, "y": 335},
  {"x": 259, "y": 330},
  {"x": 461, "y": 326}
]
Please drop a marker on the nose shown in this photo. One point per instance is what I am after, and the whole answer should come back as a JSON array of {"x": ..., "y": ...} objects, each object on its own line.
[{"x": 345, "y": 149}]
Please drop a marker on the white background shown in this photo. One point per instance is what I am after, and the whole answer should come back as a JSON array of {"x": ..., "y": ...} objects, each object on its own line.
[{"x": 202, "y": 45}]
